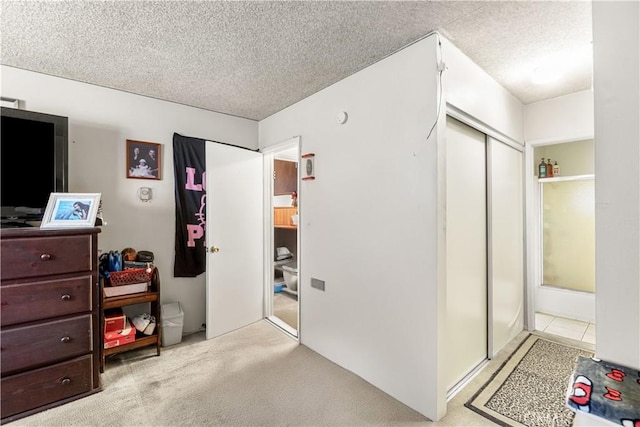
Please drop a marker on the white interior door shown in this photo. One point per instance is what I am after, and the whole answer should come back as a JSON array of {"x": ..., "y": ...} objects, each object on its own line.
[
  {"x": 507, "y": 244},
  {"x": 466, "y": 231},
  {"x": 234, "y": 236}
]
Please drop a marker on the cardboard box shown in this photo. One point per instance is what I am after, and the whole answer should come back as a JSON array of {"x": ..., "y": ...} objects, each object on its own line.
[
  {"x": 118, "y": 338},
  {"x": 114, "y": 320}
]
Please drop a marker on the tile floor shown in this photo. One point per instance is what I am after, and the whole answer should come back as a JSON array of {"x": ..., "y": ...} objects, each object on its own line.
[{"x": 568, "y": 328}]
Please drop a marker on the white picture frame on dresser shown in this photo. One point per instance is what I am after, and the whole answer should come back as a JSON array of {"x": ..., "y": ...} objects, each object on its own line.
[{"x": 71, "y": 210}]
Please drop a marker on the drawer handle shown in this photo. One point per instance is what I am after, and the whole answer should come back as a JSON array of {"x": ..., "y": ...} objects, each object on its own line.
[
  {"x": 45, "y": 257},
  {"x": 65, "y": 381},
  {"x": 65, "y": 297},
  {"x": 65, "y": 339}
]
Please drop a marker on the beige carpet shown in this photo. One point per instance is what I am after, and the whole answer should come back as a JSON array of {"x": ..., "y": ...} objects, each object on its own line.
[
  {"x": 255, "y": 376},
  {"x": 530, "y": 387}
]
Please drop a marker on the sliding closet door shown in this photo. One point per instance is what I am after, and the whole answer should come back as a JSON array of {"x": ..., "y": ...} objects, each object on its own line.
[
  {"x": 466, "y": 231},
  {"x": 507, "y": 243}
]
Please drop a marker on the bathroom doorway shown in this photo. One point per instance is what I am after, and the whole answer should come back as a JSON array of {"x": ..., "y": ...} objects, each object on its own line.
[
  {"x": 563, "y": 260},
  {"x": 282, "y": 235}
]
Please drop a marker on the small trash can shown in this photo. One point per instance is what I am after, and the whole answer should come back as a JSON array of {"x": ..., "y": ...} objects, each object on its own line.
[{"x": 172, "y": 323}]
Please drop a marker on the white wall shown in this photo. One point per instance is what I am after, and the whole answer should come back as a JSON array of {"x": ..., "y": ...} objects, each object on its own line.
[
  {"x": 566, "y": 303},
  {"x": 372, "y": 223},
  {"x": 470, "y": 89},
  {"x": 100, "y": 122},
  {"x": 565, "y": 118},
  {"x": 616, "y": 42},
  {"x": 369, "y": 224}
]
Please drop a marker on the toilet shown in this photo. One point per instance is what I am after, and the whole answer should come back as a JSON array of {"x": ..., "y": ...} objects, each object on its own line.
[{"x": 290, "y": 273}]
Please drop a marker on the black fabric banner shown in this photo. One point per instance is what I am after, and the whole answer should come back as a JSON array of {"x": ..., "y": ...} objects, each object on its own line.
[{"x": 189, "y": 171}]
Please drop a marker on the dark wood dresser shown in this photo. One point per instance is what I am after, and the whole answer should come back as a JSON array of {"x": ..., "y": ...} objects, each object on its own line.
[{"x": 49, "y": 319}]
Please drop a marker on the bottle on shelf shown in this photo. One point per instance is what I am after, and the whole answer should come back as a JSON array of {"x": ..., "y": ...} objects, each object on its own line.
[
  {"x": 542, "y": 169},
  {"x": 549, "y": 169},
  {"x": 556, "y": 169}
]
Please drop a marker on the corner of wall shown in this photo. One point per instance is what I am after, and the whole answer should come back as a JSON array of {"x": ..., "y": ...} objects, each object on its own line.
[{"x": 470, "y": 90}]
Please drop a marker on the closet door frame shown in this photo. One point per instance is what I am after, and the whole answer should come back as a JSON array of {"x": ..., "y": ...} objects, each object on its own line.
[{"x": 528, "y": 302}]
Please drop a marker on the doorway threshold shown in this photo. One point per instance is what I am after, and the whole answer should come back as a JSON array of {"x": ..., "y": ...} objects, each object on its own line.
[
  {"x": 283, "y": 325},
  {"x": 451, "y": 393}
]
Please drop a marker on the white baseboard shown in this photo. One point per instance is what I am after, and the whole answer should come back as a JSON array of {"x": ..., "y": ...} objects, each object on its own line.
[{"x": 566, "y": 303}]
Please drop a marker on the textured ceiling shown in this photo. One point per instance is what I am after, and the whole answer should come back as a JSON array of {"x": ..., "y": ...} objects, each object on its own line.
[{"x": 252, "y": 59}]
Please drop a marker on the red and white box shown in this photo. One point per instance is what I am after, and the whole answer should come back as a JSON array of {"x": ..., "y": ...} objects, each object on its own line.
[
  {"x": 114, "y": 320},
  {"x": 117, "y": 338}
]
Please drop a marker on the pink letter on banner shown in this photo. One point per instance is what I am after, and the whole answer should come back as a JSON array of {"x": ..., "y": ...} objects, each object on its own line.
[
  {"x": 191, "y": 185},
  {"x": 194, "y": 232}
]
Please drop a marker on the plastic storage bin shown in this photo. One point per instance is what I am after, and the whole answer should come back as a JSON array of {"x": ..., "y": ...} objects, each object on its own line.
[{"x": 172, "y": 323}]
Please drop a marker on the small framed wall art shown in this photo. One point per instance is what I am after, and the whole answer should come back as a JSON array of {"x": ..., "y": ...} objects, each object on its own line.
[
  {"x": 71, "y": 210},
  {"x": 143, "y": 160},
  {"x": 308, "y": 166}
]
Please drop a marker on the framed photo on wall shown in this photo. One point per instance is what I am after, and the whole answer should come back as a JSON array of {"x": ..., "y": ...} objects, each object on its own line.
[
  {"x": 143, "y": 160},
  {"x": 71, "y": 210}
]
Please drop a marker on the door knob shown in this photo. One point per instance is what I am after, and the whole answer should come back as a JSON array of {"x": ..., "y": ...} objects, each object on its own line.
[{"x": 215, "y": 249}]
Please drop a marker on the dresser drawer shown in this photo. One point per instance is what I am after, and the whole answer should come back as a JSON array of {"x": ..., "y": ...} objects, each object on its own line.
[
  {"x": 31, "y": 257},
  {"x": 37, "y": 300},
  {"x": 38, "y": 344},
  {"x": 39, "y": 387}
]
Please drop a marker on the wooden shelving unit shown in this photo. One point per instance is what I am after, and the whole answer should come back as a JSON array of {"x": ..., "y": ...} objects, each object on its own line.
[
  {"x": 152, "y": 296},
  {"x": 282, "y": 217}
]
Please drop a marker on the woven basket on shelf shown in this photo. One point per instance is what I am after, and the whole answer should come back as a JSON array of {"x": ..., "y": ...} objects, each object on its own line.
[{"x": 130, "y": 276}]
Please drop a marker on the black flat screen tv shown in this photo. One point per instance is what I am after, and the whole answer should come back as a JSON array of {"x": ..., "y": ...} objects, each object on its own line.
[{"x": 34, "y": 162}]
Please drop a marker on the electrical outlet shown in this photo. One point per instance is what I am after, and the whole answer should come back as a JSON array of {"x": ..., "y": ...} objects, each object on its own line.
[{"x": 318, "y": 284}]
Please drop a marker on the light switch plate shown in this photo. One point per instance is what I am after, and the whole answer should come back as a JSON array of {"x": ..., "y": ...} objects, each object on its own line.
[
  {"x": 317, "y": 283},
  {"x": 145, "y": 194}
]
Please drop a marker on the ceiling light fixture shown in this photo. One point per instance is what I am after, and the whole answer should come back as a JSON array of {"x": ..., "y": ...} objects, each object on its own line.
[
  {"x": 553, "y": 67},
  {"x": 545, "y": 74}
]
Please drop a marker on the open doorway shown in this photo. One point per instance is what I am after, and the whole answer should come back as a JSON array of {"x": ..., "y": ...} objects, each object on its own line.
[
  {"x": 563, "y": 230},
  {"x": 282, "y": 236}
]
